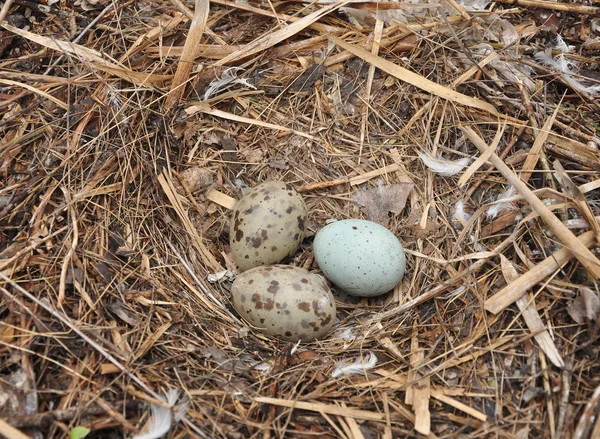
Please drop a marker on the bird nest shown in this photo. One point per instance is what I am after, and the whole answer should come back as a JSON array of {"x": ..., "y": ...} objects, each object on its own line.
[{"x": 129, "y": 129}]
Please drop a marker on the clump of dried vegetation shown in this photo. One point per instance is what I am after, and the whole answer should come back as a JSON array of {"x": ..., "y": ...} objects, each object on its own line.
[{"x": 128, "y": 129}]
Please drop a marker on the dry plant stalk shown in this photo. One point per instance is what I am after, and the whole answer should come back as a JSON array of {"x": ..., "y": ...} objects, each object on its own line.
[
  {"x": 531, "y": 317},
  {"x": 569, "y": 240},
  {"x": 189, "y": 52},
  {"x": 534, "y": 152}
]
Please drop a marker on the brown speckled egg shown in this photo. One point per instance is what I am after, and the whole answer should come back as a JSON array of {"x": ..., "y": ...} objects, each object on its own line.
[
  {"x": 267, "y": 225},
  {"x": 285, "y": 302}
]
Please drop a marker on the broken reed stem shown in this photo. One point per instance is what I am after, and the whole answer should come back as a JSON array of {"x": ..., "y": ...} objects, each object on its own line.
[
  {"x": 554, "y": 6},
  {"x": 186, "y": 61},
  {"x": 517, "y": 288},
  {"x": 581, "y": 252}
]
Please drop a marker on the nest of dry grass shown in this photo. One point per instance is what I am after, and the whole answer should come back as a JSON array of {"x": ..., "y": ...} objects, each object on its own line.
[{"x": 128, "y": 129}]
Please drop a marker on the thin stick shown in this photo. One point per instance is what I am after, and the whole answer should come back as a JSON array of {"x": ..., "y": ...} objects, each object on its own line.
[
  {"x": 5, "y": 8},
  {"x": 516, "y": 289},
  {"x": 554, "y": 6},
  {"x": 189, "y": 52},
  {"x": 581, "y": 252}
]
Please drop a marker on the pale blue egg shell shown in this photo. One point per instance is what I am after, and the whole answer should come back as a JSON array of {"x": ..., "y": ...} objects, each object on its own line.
[{"x": 361, "y": 257}]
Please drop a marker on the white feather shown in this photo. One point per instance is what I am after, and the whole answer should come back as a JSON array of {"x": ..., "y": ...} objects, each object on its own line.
[
  {"x": 360, "y": 365},
  {"x": 498, "y": 205},
  {"x": 295, "y": 348},
  {"x": 162, "y": 417},
  {"x": 346, "y": 334},
  {"x": 228, "y": 78},
  {"x": 561, "y": 44},
  {"x": 441, "y": 166},
  {"x": 565, "y": 67},
  {"x": 262, "y": 367},
  {"x": 459, "y": 212}
]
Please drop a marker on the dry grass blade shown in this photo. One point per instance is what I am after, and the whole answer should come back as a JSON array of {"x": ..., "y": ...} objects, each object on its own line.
[
  {"x": 517, "y": 288},
  {"x": 35, "y": 90},
  {"x": 323, "y": 408},
  {"x": 418, "y": 394},
  {"x": 90, "y": 56},
  {"x": 270, "y": 39},
  {"x": 534, "y": 152},
  {"x": 571, "y": 190},
  {"x": 11, "y": 432},
  {"x": 167, "y": 185},
  {"x": 532, "y": 318},
  {"x": 473, "y": 167},
  {"x": 581, "y": 252},
  {"x": 190, "y": 49},
  {"x": 234, "y": 117},
  {"x": 416, "y": 79}
]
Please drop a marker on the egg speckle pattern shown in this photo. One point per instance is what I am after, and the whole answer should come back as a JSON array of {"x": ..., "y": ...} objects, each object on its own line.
[
  {"x": 285, "y": 302},
  {"x": 360, "y": 257},
  {"x": 267, "y": 225}
]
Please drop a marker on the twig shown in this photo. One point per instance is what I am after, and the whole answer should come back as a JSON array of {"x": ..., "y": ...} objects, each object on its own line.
[
  {"x": 554, "y": 6},
  {"x": 45, "y": 419},
  {"x": 4, "y": 10},
  {"x": 582, "y": 253}
]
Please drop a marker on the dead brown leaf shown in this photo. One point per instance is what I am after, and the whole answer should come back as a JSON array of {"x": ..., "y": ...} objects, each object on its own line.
[
  {"x": 585, "y": 308},
  {"x": 379, "y": 201}
]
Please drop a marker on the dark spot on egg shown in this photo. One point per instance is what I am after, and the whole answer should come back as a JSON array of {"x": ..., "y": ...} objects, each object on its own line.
[
  {"x": 304, "y": 306},
  {"x": 239, "y": 234},
  {"x": 354, "y": 228},
  {"x": 273, "y": 248},
  {"x": 257, "y": 302},
  {"x": 274, "y": 287},
  {"x": 262, "y": 320},
  {"x": 300, "y": 222},
  {"x": 297, "y": 287},
  {"x": 267, "y": 198},
  {"x": 256, "y": 242},
  {"x": 304, "y": 280},
  {"x": 269, "y": 304},
  {"x": 289, "y": 209},
  {"x": 288, "y": 333},
  {"x": 326, "y": 320},
  {"x": 251, "y": 281}
]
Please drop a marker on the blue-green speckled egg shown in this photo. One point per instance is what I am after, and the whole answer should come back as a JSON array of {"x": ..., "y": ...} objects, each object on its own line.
[{"x": 361, "y": 257}]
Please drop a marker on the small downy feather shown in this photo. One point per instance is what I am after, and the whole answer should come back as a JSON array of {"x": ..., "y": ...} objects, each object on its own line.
[
  {"x": 360, "y": 365},
  {"x": 228, "y": 78},
  {"x": 445, "y": 168},
  {"x": 499, "y": 206},
  {"x": 459, "y": 213},
  {"x": 565, "y": 66},
  {"x": 162, "y": 418}
]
